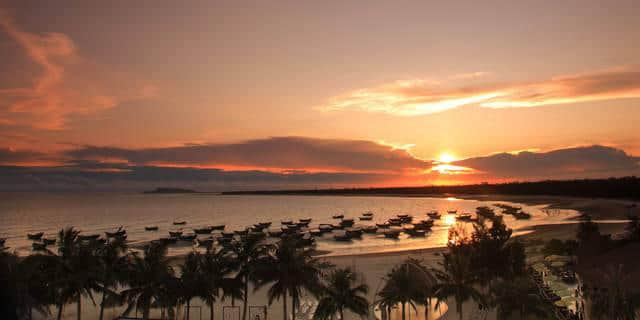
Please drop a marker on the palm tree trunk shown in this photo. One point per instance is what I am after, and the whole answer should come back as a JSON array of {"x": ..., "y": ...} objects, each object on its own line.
[
  {"x": 284, "y": 305},
  {"x": 79, "y": 305},
  {"x": 459, "y": 309},
  {"x": 341, "y": 314},
  {"x": 403, "y": 312},
  {"x": 246, "y": 297},
  {"x": 102, "y": 305},
  {"x": 188, "y": 307},
  {"x": 211, "y": 308},
  {"x": 59, "y": 311}
]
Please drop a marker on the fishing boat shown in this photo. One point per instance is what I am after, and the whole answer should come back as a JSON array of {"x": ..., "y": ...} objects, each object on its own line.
[
  {"x": 338, "y": 216},
  {"x": 188, "y": 237},
  {"x": 416, "y": 232},
  {"x": 464, "y": 217},
  {"x": 204, "y": 230},
  {"x": 179, "y": 223},
  {"x": 453, "y": 211},
  {"x": 383, "y": 225},
  {"x": 306, "y": 220},
  {"x": 347, "y": 222},
  {"x": 434, "y": 214},
  {"x": 392, "y": 234},
  {"x": 151, "y": 228},
  {"x": 316, "y": 232},
  {"x": 324, "y": 227},
  {"x": 285, "y": 222},
  {"x": 275, "y": 232},
  {"x": 242, "y": 232},
  {"x": 423, "y": 224},
  {"x": 405, "y": 218},
  {"x": 218, "y": 227},
  {"x": 303, "y": 224},
  {"x": 366, "y": 218},
  {"x": 227, "y": 235},
  {"x": 341, "y": 236},
  {"x": 88, "y": 237},
  {"x": 175, "y": 234},
  {"x": 395, "y": 222},
  {"x": 353, "y": 232},
  {"x": 370, "y": 229},
  {"x": 35, "y": 236},
  {"x": 368, "y": 214}
]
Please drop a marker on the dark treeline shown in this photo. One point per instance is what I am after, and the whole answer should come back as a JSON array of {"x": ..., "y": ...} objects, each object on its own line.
[{"x": 624, "y": 188}]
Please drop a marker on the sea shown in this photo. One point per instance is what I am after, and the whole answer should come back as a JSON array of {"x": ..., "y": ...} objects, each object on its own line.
[{"x": 95, "y": 213}]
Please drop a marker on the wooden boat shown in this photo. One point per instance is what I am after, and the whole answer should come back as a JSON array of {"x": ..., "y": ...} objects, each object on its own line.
[
  {"x": 368, "y": 214},
  {"x": 366, "y": 218},
  {"x": 416, "y": 232},
  {"x": 188, "y": 237},
  {"x": 338, "y": 216},
  {"x": 38, "y": 246},
  {"x": 275, "y": 232},
  {"x": 405, "y": 218},
  {"x": 302, "y": 224},
  {"x": 423, "y": 224},
  {"x": 341, "y": 236},
  {"x": 395, "y": 222},
  {"x": 370, "y": 229},
  {"x": 227, "y": 235},
  {"x": 347, "y": 222},
  {"x": 151, "y": 228},
  {"x": 452, "y": 211},
  {"x": 88, "y": 237},
  {"x": 48, "y": 241},
  {"x": 393, "y": 234},
  {"x": 337, "y": 226},
  {"x": 353, "y": 232},
  {"x": 286, "y": 222},
  {"x": 175, "y": 234},
  {"x": 35, "y": 236},
  {"x": 464, "y": 217},
  {"x": 316, "y": 232},
  {"x": 204, "y": 230},
  {"x": 179, "y": 223},
  {"x": 434, "y": 215},
  {"x": 218, "y": 227},
  {"x": 306, "y": 220},
  {"x": 325, "y": 227},
  {"x": 242, "y": 232},
  {"x": 256, "y": 235},
  {"x": 383, "y": 225}
]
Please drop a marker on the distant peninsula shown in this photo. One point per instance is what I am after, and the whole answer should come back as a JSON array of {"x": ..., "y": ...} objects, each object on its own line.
[{"x": 169, "y": 190}]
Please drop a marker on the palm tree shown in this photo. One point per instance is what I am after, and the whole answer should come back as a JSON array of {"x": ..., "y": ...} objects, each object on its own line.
[
  {"x": 216, "y": 266},
  {"x": 517, "y": 296},
  {"x": 424, "y": 281},
  {"x": 342, "y": 291},
  {"x": 457, "y": 279},
  {"x": 249, "y": 253},
  {"x": 618, "y": 302},
  {"x": 113, "y": 265},
  {"x": 147, "y": 279},
  {"x": 400, "y": 287},
  {"x": 77, "y": 270},
  {"x": 290, "y": 270}
]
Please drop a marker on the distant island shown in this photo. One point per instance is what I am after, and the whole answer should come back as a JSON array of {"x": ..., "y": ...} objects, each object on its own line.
[
  {"x": 622, "y": 188},
  {"x": 170, "y": 190}
]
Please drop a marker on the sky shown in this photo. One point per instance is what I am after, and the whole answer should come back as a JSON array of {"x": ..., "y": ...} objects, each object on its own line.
[{"x": 221, "y": 95}]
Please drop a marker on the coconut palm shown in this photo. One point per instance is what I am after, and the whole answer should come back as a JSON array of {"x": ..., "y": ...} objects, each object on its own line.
[
  {"x": 399, "y": 288},
  {"x": 76, "y": 271},
  {"x": 457, "y": 279},
  {"x": 290, "y": 270},
  {"x": 250, "y": 253},
  {"x": 113, "y": 265},
  {"x": 343, "y": 290},
  {"x": 148, "y": 279},
  {"x": 517, "y": 296},
  {"x": 216, "y": 266}
]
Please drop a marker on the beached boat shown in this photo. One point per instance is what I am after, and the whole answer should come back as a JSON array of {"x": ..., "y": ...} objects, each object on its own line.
[
  {"x": 188, "y": 237},
  {"x": 316, "y": 232},
  {"x": 204, "y": 230},
  {"x": 306, "y": 220},
  {"x": 383, "y": 225},
  {"x": 353, "y": 232},
  {"x": 275, "y": 232},
  {"x": 285, "y": 222},
  {"x": 347, "y": 222},
  {"x": 338, "y": 216},
  {"x": 453, "y": 211},
  {"x": 368, "y": 214},
  {"x": 370, "y": 229},
  {"x": 151, "y": 228},
  {"x": 179, "y": 223},
  {"x": 464, "y": 217},
  {"x": 175, "y": 234},
  {"x": 341, "y": 236},
  {"x": 35, "y": 236},
  {"x": 88, "y": 236},
  {"x": 324, "y": 227},
  {"x": 405, "y": 218},
  {"x": 366, "y": 218},
  {"x": 227, "y": 235},
  {"x": 434, "y": 215},
  {"x": 302, "y": 224},
  {"x": 416, "y": 232},
  {"x": 423, "y": 224},
  {"x": 242, "y": 232},
  {"x": 393, "y": 234},
  {"x": 395, "y": 222},
  {"x": 217, "y": 227}
]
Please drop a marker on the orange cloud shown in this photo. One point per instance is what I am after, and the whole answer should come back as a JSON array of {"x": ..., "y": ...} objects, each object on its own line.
[
  {"x": 420, "y": 97},
  {"x": 67, "y": 83}
]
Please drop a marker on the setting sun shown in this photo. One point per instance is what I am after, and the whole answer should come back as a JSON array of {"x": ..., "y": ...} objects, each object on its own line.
[{"x": 446, "y": 158}]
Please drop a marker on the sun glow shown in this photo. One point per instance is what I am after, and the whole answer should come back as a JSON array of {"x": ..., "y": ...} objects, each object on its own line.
[{"x": 446, "y": 158}]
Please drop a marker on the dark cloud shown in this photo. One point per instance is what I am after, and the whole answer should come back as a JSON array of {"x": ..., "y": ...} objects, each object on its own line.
[
  {"x": 581, "y": 162},
  {"x": 10, "y": 156},
  {"x": 291, "y": 153}
]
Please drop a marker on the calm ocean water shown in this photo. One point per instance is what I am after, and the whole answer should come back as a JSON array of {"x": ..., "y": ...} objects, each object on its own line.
[{"x": 22, "y": 213}]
